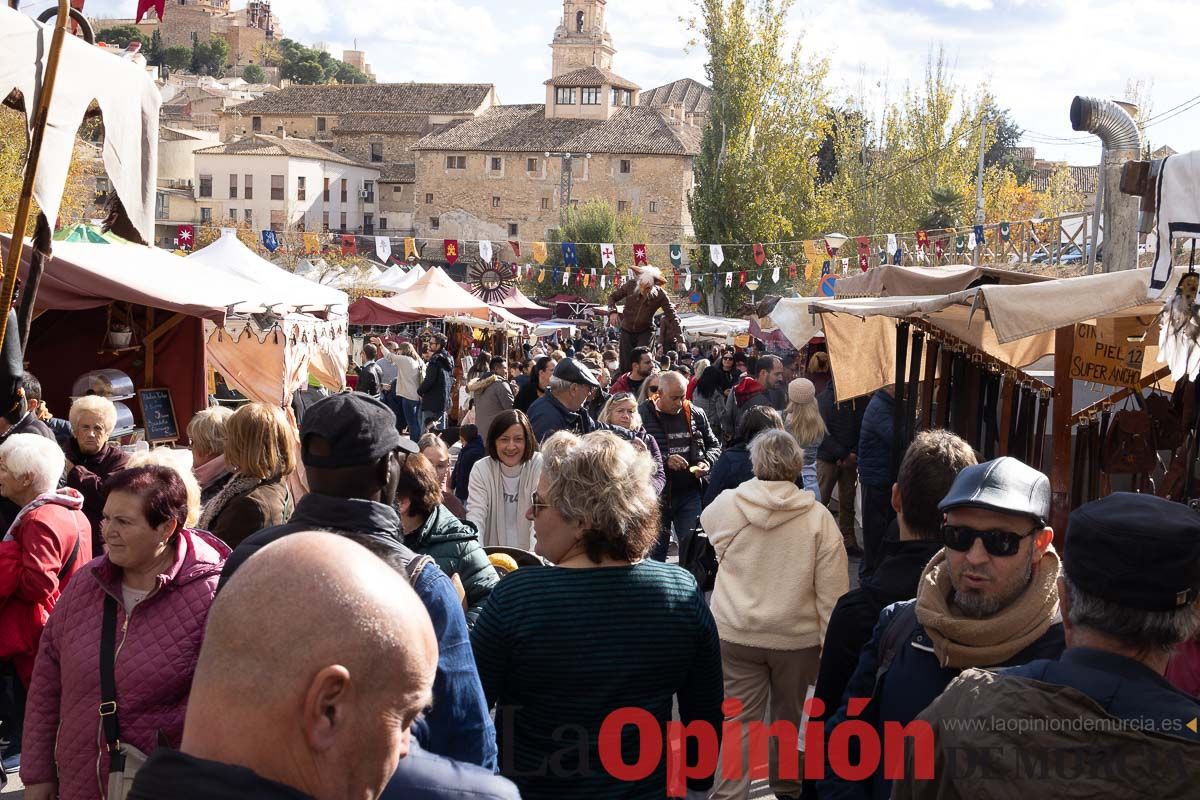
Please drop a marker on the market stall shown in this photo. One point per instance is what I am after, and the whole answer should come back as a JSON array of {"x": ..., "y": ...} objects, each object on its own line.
[{"x": 1003, "y": 365}]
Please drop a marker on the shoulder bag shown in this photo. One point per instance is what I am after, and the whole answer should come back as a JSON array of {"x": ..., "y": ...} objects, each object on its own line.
[{"x": 124, "y": 760}]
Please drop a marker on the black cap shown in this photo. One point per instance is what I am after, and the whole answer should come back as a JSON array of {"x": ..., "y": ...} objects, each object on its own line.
[
  {"x": 575, "y": 372},
  {"x": 1005, "y": 485},
  {"x": 360, "y": 430},
  {"x": 1136, "y": 551}
]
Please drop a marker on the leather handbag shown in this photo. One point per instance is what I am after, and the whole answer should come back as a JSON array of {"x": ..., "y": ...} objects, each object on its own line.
[
  {"x": 1129, "y": 445},
  {"x": 1167, "y": 419},
  {"x": 124, "y": 760}
]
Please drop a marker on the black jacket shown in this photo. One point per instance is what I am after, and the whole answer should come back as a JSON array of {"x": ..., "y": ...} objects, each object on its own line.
[
  {"x": 468, "y": 457},
  {"x": 527, "y": 395},
  {"x": 843, "y": 422},
  {"x": 435, "y": 389},
  {"x": 704, "y": 446},
  {"x": 547, "y": 416},
  {"x": 370, "y": 379},
  {"x": 173, "y": 775},
  {"x": 857, "y": 611}
]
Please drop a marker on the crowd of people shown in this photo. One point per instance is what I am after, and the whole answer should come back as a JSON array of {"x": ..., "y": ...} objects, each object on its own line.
[{"x": 200, "y": 627}]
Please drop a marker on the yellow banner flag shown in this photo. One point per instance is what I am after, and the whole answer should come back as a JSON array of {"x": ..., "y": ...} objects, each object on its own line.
[
  {"x": 810, "y": 269},
  {"x": 410, "y": 248},
  {"x": 541, "y": 274},
  {"x": 312, "y": 243},
  {"x": 539, "y": 252},
  {"x": 814, "y": 252}
]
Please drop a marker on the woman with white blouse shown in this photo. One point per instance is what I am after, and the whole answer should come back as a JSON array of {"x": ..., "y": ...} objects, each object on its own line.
[{"x": 503, "y": 482}]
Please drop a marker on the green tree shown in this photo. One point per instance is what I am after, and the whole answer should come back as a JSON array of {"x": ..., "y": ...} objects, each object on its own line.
[
  {"x": 945, "y": 208},
  {"x": 122, "y": 35},
  {"x": 1003, "y": 150},
  {"x": 177, "y": 57},
  {"x": 345, "y": 73},
  {"x": 1062, "y": 195},
  {"x": 210, "y": 58},
  {"x": 254, "y": 74},
  {"x": 154, "y": 53},
  {"x": 593, "y": 221},
  {"x": 756, "y": 172},
  {"x": 308, "y": 72}
]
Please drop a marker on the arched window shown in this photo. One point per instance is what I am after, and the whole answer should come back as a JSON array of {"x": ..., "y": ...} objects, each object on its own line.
[{"x": 579, "y": 22}]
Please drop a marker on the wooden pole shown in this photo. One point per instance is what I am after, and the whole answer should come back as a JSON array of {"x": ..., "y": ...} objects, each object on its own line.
[
  {"x": 39, "y": 123},
  {"x": 1060, "y": 433}
]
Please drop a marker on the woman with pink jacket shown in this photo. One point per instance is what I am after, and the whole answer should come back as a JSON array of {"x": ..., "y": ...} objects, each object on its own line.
[{"x": 162, "y": 578}]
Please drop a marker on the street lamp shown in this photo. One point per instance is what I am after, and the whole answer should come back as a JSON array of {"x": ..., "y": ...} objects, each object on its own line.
[
  {"x": 835, "y": 240},
  {"x": 752, "y": 285}
]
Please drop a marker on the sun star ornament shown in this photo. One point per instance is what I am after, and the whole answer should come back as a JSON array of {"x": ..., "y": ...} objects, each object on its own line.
[
  {"x": 490, "y": 283},
  {"x": 1179, "y": 336}
]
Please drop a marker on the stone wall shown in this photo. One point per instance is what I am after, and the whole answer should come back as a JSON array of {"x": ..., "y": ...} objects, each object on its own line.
[
  {"x": 396, "y": 146},
  {"x": 463, "y": 201}
]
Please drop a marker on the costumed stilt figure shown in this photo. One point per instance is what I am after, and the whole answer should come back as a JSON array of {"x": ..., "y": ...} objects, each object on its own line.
[{"x": 643, "y": 296}]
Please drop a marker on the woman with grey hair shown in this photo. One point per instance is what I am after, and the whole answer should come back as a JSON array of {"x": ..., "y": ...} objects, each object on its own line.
[
  {"x": 604, "y": 628},
  {"x": 206, "y": 432},
  {"x": 783, "y": 568},
  {"x": 91, "y": 457}
]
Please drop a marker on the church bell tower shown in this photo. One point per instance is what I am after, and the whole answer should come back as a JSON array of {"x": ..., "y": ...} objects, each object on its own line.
[{"x": 582, "y": 38}]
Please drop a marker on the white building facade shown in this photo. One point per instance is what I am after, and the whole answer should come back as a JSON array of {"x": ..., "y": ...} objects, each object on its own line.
[{"x": 285, "y": 184}]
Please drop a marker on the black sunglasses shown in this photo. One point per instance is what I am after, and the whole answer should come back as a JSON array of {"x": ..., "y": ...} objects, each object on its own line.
[
  {"x": 651, "y": 390},
  {"x": 997, "y": 543}
]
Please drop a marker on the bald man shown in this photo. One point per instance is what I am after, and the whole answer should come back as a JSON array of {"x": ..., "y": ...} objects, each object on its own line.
[{"x": 316, "y": 660}]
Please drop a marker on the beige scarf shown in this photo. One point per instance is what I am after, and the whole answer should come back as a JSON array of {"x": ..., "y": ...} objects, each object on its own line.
[{"x": 962, "y": 642}]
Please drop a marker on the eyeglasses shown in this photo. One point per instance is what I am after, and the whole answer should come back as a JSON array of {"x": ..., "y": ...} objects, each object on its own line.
[
  {"x": 535, "y": 502},
  {"x": 651, "y": 390},
  {"x": 619, "y": 396},
  {"x": 997, "y": 543}
]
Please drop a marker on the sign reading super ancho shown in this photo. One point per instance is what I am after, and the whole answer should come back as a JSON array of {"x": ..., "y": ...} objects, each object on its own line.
[{"x": 1105, "y": 362}]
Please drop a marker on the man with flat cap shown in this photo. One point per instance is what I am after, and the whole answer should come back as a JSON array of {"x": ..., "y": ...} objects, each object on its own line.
[
  {"x": 353, "y": 457},
  {"x": 563, "y": 406},
  {"x": 989, "y": 598},
  {"x": 1129, "y": 589}
]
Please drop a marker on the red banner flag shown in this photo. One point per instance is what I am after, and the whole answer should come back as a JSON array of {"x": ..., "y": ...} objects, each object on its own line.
[
  {"x": 864, "y": 262},
  {"x": 940, "y": 247},
  {"x": 146, "y": 5},
  {"x": 760, "y": 255},
  {"x": 186, "y": 236},
  {"x": 349, "y": 245},
  {"x": 742, "y": 278},
  {"x": 516, "y": 248},
  {"x": 639, "y": 255},
  {"x": 922, "y": 240},
  {"x": 864, "y": 245},
  {"x": 792, "y": 271},
  {"x": 450, "y": 248}
]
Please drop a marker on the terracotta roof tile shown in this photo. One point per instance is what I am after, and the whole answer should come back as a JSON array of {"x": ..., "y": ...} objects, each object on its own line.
[
  {"x": 524, "y": 129},
  {"x": 694, "y": 96},
  {"x": 262, "y": 145},
  {"x": 383, "y": 123},
  {"x": 592, "y": 76},
  {"x": 397, "y": 173},
  {"x": 413, "y": 98}
]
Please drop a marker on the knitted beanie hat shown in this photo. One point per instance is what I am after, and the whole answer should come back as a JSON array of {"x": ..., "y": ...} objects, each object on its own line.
[{"x": 802, "y": 391}]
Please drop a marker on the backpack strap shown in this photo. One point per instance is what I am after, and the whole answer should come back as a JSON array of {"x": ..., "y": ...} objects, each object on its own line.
[
  {"x": 416, "y": 567},
  {"x": 70, "y": 562},
  {"x": 898, "y": 632}
]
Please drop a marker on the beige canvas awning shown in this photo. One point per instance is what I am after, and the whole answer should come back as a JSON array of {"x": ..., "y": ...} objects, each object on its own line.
[
  {"x": 889, "y": 280},
  {"x": 1012, "y": 323}
]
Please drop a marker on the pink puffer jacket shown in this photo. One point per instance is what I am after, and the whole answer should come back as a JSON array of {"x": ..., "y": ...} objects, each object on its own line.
[{"x": 154, "y": 666}]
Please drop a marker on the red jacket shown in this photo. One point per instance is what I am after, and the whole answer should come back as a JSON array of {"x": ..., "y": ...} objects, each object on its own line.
[
  {"x": 42, "y": 539},
  {"x": 154, "y": 666}
]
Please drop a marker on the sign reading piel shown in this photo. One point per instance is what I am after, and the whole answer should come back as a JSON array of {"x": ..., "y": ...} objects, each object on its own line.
[{"x": 1106, "y": 362}]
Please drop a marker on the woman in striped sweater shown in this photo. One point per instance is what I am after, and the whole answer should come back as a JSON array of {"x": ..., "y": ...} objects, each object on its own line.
[{"x": 560, "y": 648}]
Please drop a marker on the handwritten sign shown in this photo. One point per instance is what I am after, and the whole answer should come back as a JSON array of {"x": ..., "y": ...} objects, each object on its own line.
[
  {"x": 158, "y": 415},
  {"x": 1106, "y": 362}
]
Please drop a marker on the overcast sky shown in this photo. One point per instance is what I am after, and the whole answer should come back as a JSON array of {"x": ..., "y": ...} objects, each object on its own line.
[{"x": 1035, "y": 54}]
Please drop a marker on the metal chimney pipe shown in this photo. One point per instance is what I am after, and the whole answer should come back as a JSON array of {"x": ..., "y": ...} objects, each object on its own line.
[{"x": 1116, "y": 128}]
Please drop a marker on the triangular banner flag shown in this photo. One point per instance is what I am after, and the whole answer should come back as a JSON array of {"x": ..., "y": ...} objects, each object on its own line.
[
  {"x": 639, "y": 255},
  {"x": 717, "y": 254},
  {"x": 450, "y": 249},
  {"x": 566, "y": 276},
  {"x": 742, "y": 278},
  {"x": 760, "y": 255},
  {"x": 728, "y": 279},
  {"x": 687, "y": 279},
  {"x": 607, "y": 255},
  {"x": 349, "y": 245},
  {"x": 410, "y": 248},
  {"x": 383, "y": 248},
  {"x": 485, "y": 251},
  {"x": 775, "y": 275},
  {"x": 516, "y": 248},
  {"x": 570, "y": 256},
  {"x": 541, "y": 275},
  {"x": 1005, "y": 231},
  {"x": 891, "y": 242},
  {"x": 270, "y": 240},
  {"x": 539, "y": 252}
]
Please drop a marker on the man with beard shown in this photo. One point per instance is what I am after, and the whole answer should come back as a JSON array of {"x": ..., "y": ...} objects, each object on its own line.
[{"x": 989, "y": 598}]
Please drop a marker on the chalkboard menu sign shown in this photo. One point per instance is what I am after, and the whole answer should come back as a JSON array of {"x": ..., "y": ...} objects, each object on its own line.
[{"x": 158, "y": 415}]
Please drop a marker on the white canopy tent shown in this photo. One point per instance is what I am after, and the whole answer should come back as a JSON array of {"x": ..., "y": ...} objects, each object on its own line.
[
  {"x": 286, "y": 292},
  {"x": 719, "y": 327}
]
